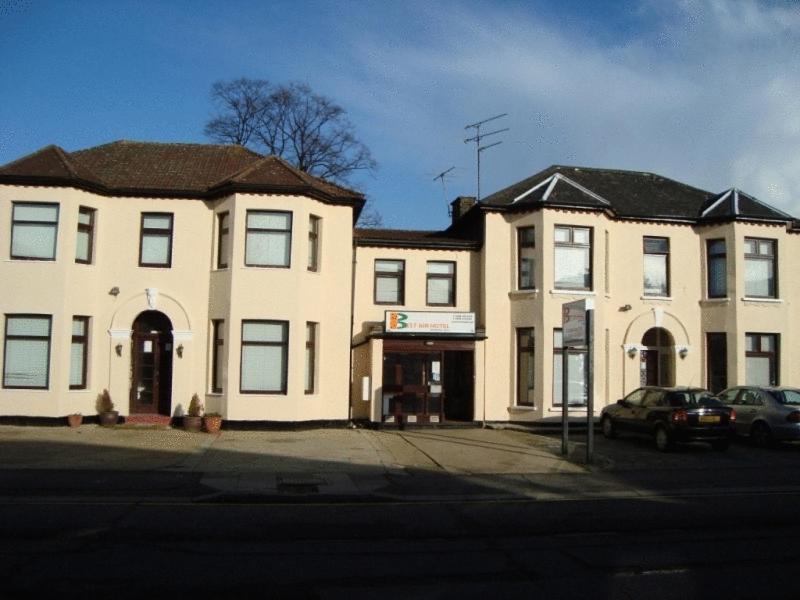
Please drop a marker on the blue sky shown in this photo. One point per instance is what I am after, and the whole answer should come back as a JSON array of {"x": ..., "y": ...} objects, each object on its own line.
[{"x": 704, "y": 91}]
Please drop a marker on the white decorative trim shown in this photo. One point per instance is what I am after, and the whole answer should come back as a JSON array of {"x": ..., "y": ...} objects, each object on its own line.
[
  {"x": 533, "y": 189},
  {"x": 717, "y": 203},
  {"x": 724, "y": 300},
  {"x": 573, "y": 293},
  {"x": 763, "y": 300},
  {"x": 550, "y": 187},
  {"x": 659, "y": 298},
  {"x": 735, "y": 201},
  {"x": 152, "y": 297},
  {"x": 182, "y": 336},
  {"x": 120, "y": 334},
  {"x": 658, "y": 315},
  {"x": 587, "y": 191}
]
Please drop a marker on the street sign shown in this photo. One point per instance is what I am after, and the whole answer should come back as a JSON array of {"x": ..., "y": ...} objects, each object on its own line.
[{"x": 573, "y": 322}]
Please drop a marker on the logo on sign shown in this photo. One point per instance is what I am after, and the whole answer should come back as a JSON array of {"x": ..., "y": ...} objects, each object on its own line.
[{"x": 398, "y": 320}]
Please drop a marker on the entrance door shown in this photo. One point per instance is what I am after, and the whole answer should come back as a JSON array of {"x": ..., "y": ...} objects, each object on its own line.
[
  {"x": 649, "y": 375},
  {"x": 459, "y": 385},
  {"x": 151, "y": 376},
  {"x": 412, "y": 384}
]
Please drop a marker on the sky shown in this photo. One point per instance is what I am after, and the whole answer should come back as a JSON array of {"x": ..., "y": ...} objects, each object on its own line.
[{"x": 703, "y": 91}]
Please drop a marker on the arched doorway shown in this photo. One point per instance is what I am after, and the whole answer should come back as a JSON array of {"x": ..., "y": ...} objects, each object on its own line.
[
  {"x": 151, "y": 364},
  {"x": 657, "y": 358}
]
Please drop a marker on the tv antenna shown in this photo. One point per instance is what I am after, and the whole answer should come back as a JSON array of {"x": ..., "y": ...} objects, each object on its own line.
[
  {"x": 442, "y": 176},
  {"x": 477, "y": 139}
]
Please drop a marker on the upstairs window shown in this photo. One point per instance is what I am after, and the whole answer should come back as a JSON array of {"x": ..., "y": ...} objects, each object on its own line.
[
  {"x": 573, "y": 258},
  {"x": 759, "y": 268},
  {"x": 390, "y": 281},
  {"x": 717, "y": 269},
  {"x": 269, "y": 239},
  {"x": 155, "y": 247},
  {"x": 313, "y": 243},
  {"x": 223, "y": 240},
  {"x": 26, "y": 358},
  {"x": 526, "y": 247},
  {"x": 34, "y": 229},
  {"x": 84, "y": 244},
  {"x": 656, "y": 266},
  {"x": 441, "y": 283}
]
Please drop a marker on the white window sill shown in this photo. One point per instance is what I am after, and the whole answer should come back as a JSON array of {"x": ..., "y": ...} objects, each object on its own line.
[
  {"x": 658, "y": 298},
  {"x": 725, "y": 300},
  {"x": 763, "y": 300},
  {"x": 588, "y": 293},
  {"x": 526, "y": 408},
  {"x": 214, "y": 394},
  {"x": 532, "y": 293}
]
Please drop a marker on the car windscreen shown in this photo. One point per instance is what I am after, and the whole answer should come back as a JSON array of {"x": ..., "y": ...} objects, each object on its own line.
[
  {"x": 698, "y": 399},
  {"x": 790, "y": 397}
]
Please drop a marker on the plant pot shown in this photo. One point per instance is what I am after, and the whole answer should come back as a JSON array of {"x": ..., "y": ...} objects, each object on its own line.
[
  {"x": 108, "y": 418},
  {"x": 192, "y": 424},
  {"x": 75, "y": 420},
  {"x": 212, "y": 424}
]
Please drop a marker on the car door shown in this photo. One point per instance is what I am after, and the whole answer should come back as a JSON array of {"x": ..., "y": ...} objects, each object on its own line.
[
  {"x": 626, "y": 413},
  {"x": 651, "y": 411},
  {"x": 747, "y": 405}
]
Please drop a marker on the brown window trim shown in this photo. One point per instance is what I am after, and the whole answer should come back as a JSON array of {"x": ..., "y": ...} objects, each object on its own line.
[
  {"x": 313, "y": 242},
  {"x": 558, "y": 352},
  {"x": 451, "y": 278},
  {"x": 49, "y": 337},
  {"x": 709, "y": 257},
  {"x": 773, "y": 355},
  {"x": 573, "y": 244},
  {"x": 529, "y": 349},
  {"x": 520, "y": 245},
  {"x": 400, "y": 276},
  {"x": 84, "y": 341},
  {"x": 285, "y": 355},
  {"x": 716, "y": 339},
  {"x": 15, "y": 221},
  {"x": 223, "y": 229},
  {"x": 287, "y": 232},
  {"x": 667, "y": 254},
  {"x": 772, "y": 258},
  {"x": 218, "y": 342},
  {"x": 152, "y": 232},
  {"x": 312, "y": 345},
  {"x": 89, "y": 230}
]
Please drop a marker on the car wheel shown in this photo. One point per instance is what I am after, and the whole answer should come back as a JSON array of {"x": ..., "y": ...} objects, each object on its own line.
[
  {"x": 721, "y": 445},
  {"x": 609, "y": 430},
  {"x": 761, "y": 435},
  {"x": 663, "y": 440}
]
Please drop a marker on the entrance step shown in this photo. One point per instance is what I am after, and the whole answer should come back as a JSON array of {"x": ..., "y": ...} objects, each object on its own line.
[{"x": 147, "y": 420}]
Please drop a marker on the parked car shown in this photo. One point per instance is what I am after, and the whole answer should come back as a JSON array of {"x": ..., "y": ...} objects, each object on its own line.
[
  {"x": 670, "y": 415},
  {"x": 765, "y": 414}
]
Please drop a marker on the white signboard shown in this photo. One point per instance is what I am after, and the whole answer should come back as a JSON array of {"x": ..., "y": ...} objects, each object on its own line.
[
  {"x": 407, "y": 321},
  {"x": 573, "y": 322}
]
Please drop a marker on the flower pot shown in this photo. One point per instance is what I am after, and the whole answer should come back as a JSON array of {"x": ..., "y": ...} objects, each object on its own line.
[
  {"x": 212, "y": 423},
  {"x": 75, "y": 420},
  {"x": 192, "y": 423},
  {"x": 108, "y": 418}
]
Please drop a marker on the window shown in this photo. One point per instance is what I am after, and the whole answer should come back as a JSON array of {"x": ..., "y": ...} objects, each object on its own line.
[
  {"x": 313, "y": 243},
  {"x": 223, "y": 240},
  {"x": 155, "y": 248},
  {"x": 217, "y": 356},
  {"x": 656, "y": 266},
  {"x": 34, "y": 231},
  {"x": 759, "y": 268},
  {"x": 390, "y": 281},
  {"x": 717, "y": 269},
  {"x": 85, "y": 241},
  {"x": 27, "y": 352},
  {"x": 441, "y": 283},
  {"x": 573, "y": 256},
  {"x": 577, "y": 385},
  {"x": 269, "y": 239},
  {"x": 761, "y": 359},
  {"x": 525, "y": 366},
  {"x": 717, "y": 361},
  {"x": 525, "y": 255},
  {"x": 79, "y": 352},
  {"x": 311, "y": 353},
  {"x": 265, "y": 346}
]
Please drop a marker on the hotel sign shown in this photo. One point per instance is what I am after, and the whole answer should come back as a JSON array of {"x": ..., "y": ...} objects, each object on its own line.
[{"x": 429, "y": 322}]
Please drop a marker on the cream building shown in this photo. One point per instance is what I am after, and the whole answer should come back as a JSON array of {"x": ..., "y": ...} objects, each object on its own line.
[{"x": 157, "y": 271}]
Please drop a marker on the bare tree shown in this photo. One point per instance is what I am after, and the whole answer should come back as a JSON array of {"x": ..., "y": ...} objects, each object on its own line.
[
  {"x": 370, "y": 218},
  {"x": 308, "y": 130}
]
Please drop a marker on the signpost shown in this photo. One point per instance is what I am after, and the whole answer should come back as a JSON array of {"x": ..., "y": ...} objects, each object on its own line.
[{"x": 577, "y": 332}]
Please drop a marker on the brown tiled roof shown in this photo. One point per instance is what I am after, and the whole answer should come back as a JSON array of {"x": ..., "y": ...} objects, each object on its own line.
[
  {"x": 408, "y": 238},
  {"x": 182, "y": 170}
]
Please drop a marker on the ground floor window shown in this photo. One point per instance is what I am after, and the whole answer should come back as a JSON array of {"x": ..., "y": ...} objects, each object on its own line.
[
  {"x": 311, "y": 352},
  {"x": 217, "y": 354},
  {"x": 265, "y": 346},
  {"x": 761, "y": 359},
  {"x": 26, "y": 362},
  {"x": 717, "y": 361},
  {"x": 577, "y": 386},
  {"x": 79, "y": 352},
  {"x": 525, "y": 366}
]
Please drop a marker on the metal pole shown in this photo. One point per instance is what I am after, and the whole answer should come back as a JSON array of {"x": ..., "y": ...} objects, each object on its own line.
[
  {"x": 590, "y": 391},
  {"x": 564, "y": 407}
]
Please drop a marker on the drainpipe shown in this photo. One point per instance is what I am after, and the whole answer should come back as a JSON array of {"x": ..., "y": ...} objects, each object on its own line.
[{"x": 352, "y": 325}]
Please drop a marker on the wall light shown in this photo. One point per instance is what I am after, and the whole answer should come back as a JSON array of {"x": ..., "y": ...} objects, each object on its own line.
[
  {"x": 632, "y": 351},
  {"x": 114, "y": 291},
  {"x": 118, "y": 348},
  {"x": 625, "y": 308},
  {"x": 179, "y": 350},
  {"x": 683, "y": 352}
]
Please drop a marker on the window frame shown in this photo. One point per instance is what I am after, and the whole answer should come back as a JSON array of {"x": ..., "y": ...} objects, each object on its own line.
[
  {"x": 716, "y": 256},
  {"x": 529, "y": 351},
  {"x": 284, "y": 345},
  {"x": 313, "y": 243},
  {"x": 451, "y": 277},
  {"x": 88, "y": 229},
  {"x": 558, "y": 351},
  {"x": 400, "y": 276},
  {"x": 521, "y": 246},
  {"x": 285, "y": 232},
  {"x": 572, "y": 244},
  {"x": 667, "y": 273},
  {"x": 312, "y": 327},
  {"x": 154, "y": 232},
  {"x": 217, "y": 344},
  {"x": 49, "y": 339},
  {"x": 53, "y": 224},
  {"x": 772, "y": 259},
  {"x": 721, "y": 339},
  {"x": 223, "y": 232},
  {"x": 84, "y": 341},
  {"x": 772, "y": 355}
]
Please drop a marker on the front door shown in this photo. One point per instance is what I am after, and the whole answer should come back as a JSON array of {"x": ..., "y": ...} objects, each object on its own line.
[
  {"x": 412, "y": 385},
  {"x": 649, "y": 368},
  {"x": 151, "y": 366}
]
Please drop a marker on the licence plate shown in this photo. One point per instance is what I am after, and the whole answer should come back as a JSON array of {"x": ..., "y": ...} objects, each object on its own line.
[{"x": 709, "y": 419}]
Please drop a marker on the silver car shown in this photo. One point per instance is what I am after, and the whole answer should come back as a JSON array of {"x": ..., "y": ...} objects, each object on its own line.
[{"x": 765, "y": 414}]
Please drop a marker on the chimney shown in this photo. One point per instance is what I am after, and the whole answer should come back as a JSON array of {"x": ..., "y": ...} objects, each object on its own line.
[{"x": 460, "y": 206}]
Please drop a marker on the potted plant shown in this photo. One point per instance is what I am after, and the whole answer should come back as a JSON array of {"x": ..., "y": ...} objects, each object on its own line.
[
  {"x": 75, "y": 419},
  {"x": 192, "y": 421},
  {"x": 212, "y": 422},
  {"x": 105, "y": 410}
]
